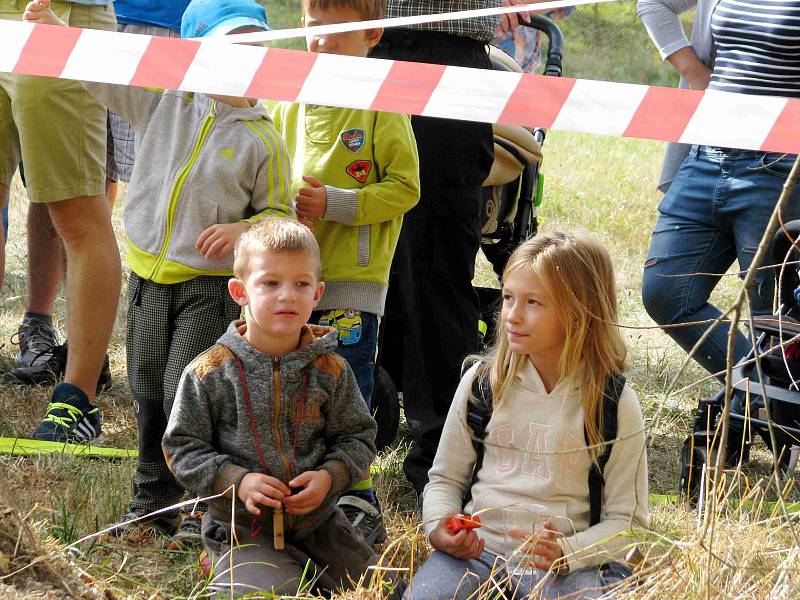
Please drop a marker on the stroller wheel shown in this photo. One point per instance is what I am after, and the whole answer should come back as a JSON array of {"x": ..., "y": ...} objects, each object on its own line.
[{"x": 693, "y": 459}]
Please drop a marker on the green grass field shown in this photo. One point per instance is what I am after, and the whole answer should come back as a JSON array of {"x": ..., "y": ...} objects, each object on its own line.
[{"x": 602, "y": 184}]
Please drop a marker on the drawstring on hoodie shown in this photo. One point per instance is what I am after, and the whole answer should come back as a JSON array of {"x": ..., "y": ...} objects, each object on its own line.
[
  {"x": 137, "y": 293},
  {"x": 255, "y": 528}
]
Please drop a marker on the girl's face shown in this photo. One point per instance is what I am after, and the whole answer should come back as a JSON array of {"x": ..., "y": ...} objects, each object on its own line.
[{"x": 530, "y": 320}]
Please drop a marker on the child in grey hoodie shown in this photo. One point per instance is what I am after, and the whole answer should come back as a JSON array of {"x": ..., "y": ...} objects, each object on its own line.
[
  {"x": 271, "y": 419},
  {"x": 207, "y": 167}
]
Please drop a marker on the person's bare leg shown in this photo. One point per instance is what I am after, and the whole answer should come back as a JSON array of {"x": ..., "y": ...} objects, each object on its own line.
[
  {"x": 92, "y": 285},
  {"x": 4, "y": 194},
  {"x": 111, "y": 192},
  {"x": 45, "y": 260}
]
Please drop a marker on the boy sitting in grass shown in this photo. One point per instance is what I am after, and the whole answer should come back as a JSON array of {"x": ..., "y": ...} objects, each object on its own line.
[
  {"x": 271, "y": 419},
  {"x": 356, "y": 173}
]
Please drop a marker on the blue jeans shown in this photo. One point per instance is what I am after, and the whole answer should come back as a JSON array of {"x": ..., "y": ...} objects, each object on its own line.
[
  {"x": 444, "y": 577},
  {"x": 360, "y": 355},
  {"x": 714, "y": 212}
]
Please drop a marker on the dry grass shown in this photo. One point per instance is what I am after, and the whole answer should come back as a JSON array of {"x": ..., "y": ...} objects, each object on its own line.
[{"x": 605, "y": 185}]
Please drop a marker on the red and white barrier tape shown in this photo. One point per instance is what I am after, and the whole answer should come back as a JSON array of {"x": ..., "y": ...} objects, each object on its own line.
[{"x": 711, "y": 117}]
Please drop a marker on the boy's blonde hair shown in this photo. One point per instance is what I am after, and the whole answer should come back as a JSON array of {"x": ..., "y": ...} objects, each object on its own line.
[
  {"x": 274, "y": 235},
  {"x": 577, "y": 273},
  {"x": 367, "y": 9}
]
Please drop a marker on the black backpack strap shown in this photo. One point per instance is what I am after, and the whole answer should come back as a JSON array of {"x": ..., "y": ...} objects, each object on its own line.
[
  {"x": 479, "y": 411},
  {"x": 615, "y": 383}
]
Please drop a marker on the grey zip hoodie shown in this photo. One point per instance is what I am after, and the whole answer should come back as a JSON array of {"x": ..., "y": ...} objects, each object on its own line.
[
  {"x": 305, "y": 407},
  {"x": 199, "y": 162}
]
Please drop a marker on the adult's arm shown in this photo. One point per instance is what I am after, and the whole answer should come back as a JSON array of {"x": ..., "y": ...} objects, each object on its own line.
[{"x": 660, "y": 18}]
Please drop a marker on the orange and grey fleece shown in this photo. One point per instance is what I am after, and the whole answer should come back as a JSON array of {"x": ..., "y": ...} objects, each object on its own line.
[{"x": 298, "y": 412}]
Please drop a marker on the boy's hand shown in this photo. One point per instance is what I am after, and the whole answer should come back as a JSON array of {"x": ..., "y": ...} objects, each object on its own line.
[
  {"x": 546, "y": 549},
  {"x": 315, "y": 484},
  {"x": 464, "y": 545},
  {"x": 39, "y": 11},
  {"x": 257, "y": 488},
  {"x": 218, "y": 241},
  {"x": 311, "y": 202}
]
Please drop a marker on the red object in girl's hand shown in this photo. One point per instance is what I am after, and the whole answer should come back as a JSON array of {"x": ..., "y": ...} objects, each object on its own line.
[{"x": 456, "y": 524}]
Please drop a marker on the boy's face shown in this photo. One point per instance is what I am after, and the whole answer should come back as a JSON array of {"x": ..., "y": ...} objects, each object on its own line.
[
  {"x": 278, "y": 293},
  {"x": 351, "y": 43}
]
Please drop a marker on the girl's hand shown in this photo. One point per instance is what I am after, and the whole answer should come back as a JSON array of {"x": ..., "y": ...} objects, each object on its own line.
[
  {"x": 315, "y": 484},
  {"x": 218, "y": 241},
  {"x": 464, "y": 545},
  {"x": 546, "y": 549},
  {"x": 258, "y": 489}
]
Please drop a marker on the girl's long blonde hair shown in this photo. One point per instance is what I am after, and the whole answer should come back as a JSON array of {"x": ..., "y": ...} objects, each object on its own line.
[{"x": 577, "y": 273}]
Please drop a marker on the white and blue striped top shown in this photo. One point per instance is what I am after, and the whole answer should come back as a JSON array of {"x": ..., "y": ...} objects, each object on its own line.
[{"x": 758, "y": 47}]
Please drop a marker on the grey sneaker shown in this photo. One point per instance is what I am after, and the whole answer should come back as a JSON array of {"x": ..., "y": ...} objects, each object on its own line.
[
  {"x": 137, "y": 520},
  {"x": 189, "y": 533},
  {"x": 365, "y": 518},
  {"x": 36, "y": 340},
  {"x": 52, "y": 370}
]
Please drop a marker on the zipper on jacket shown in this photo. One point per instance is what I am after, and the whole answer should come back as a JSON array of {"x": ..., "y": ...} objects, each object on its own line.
[
  {"x": 205, "y": 129},
  {"x": 276, "y": 416}
]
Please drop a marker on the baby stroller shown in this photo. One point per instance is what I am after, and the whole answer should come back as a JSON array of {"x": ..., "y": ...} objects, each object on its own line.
[
  {"x": 777, "y": 401},
  {"x": 512, "y": 195}
]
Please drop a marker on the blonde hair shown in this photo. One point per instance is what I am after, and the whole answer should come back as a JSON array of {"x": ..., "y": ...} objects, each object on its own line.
[
  {"x": 368, "y": 10},
  {"x": 577, "y": 273},
  {"x": 274, "y": 235}
]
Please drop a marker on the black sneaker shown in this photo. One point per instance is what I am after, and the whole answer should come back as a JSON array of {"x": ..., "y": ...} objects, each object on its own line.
[
  {"x": 52, "y": 369},
  {"x": 70, "y": 417},
  {"x": 189, "y": 533},
  {"x": 365, "y": 517},
  {"x": 36, "y": 340},
  {"x": 136, "y": 520}
]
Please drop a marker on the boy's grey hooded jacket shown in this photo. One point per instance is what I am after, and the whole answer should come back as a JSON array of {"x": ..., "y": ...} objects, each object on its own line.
[
  {"x": 305, "y": 407},
  {"x": 199, "y": 162}
]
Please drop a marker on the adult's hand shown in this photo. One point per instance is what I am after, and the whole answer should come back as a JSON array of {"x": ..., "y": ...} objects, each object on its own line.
[
  {"x": 511, "y": 20},
  {"x": 694, "y": 72}
]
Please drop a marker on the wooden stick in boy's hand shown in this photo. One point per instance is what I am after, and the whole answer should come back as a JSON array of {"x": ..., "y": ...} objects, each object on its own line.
[{"x": 277, "y": 529}]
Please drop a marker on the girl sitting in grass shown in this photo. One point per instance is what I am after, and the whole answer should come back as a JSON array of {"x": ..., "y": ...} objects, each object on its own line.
[{"x": 558, "y": 350}]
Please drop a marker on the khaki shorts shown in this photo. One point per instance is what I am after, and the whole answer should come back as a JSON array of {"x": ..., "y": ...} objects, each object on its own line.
[{"x": 54, "y": 126}]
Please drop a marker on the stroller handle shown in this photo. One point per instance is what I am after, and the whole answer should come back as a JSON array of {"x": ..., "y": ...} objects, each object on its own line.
[{"x": 555, "y": 42}]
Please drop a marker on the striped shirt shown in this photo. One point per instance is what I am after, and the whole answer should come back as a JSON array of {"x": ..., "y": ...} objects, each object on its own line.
[
  {"x": 758, "y": 47},
  {"x": 481, "y": 28}
]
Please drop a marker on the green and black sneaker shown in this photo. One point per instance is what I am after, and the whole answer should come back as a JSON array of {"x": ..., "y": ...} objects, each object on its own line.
[{"x": 70, "y": 418}]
